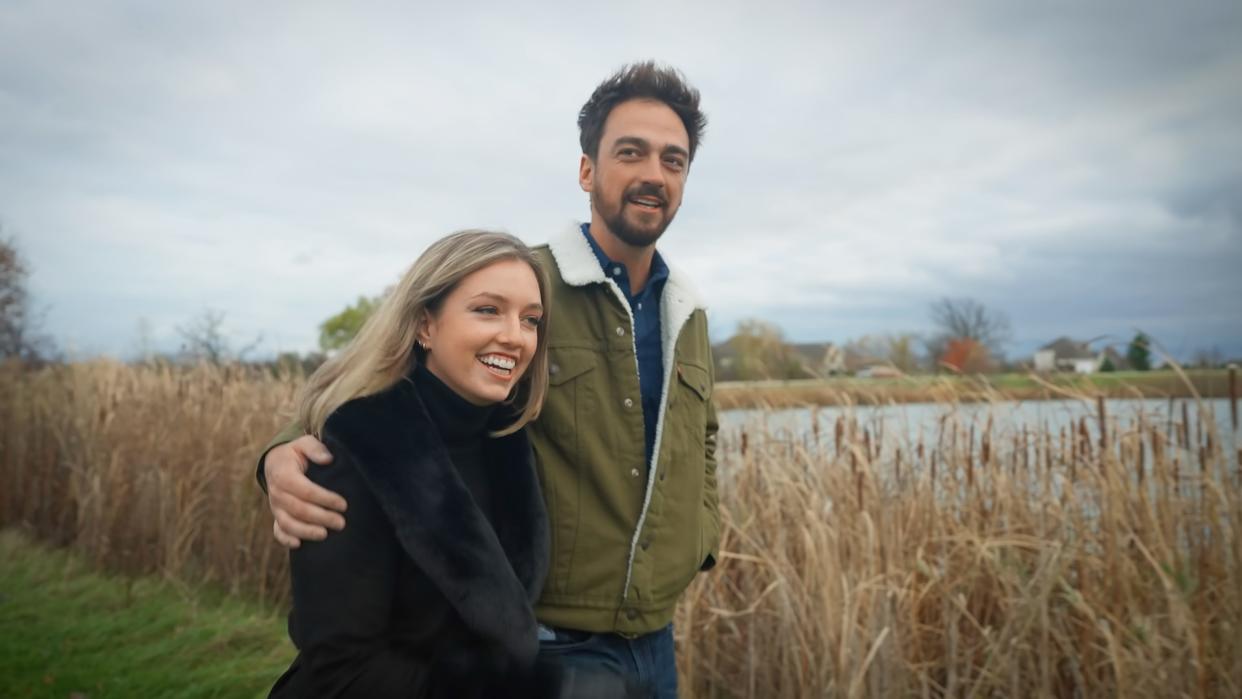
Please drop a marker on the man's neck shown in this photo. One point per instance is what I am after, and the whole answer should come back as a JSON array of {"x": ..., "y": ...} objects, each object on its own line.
[{"x": 637, "y": 260}]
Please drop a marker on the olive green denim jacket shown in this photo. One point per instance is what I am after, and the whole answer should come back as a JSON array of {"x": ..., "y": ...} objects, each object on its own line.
[{"x": 627, "y": 537}]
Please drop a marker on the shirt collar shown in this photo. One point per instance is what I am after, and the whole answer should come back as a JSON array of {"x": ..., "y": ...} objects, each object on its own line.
[{"x": 659, "y": 270}]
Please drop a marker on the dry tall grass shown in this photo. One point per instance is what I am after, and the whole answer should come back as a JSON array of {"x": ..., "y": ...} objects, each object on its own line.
[
  {"x": 1099, "y": 561},
  {"x": 1102, "y": 560},
  {"x": 146, "y": 469}
]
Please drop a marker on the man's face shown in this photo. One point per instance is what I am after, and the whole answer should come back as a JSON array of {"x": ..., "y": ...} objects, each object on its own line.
[{"x": 637, "y": 177}]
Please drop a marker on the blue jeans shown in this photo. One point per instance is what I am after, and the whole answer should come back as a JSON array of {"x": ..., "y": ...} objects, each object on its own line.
[{"x": 648, "y": 661}]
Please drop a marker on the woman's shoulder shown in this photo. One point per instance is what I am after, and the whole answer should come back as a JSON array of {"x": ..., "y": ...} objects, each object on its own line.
[{"x": 365, "y": 421}]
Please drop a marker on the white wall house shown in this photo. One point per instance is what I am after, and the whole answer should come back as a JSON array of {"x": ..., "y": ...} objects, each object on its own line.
[{"x": 1064, "y": 354}]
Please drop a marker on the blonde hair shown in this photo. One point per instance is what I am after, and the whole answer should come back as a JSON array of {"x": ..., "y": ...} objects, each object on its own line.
[{"x": 386, "y": 349}]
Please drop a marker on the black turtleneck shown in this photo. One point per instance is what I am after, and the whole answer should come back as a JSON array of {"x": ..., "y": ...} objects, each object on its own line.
[{"x": 463, "y": 426}]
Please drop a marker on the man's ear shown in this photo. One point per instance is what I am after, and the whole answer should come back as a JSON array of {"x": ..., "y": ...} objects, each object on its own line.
[{"x": 586, "y": 173}]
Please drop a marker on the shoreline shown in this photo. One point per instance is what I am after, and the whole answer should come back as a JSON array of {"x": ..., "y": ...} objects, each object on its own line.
[{"x": 1205, "y": 383}]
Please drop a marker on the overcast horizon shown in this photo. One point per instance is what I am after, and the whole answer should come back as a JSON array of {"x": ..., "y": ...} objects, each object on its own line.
[{"x": 1076, "y": 166}]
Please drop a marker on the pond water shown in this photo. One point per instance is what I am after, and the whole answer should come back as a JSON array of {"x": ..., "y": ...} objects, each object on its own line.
[{"x": 926, "y": 422}]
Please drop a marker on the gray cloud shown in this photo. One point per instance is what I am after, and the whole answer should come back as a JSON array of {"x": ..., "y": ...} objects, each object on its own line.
[{"x": 1076, "y": 166}]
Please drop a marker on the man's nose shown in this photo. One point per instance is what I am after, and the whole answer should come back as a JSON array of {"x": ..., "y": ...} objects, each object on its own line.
[{"x": 653, "y": 171}]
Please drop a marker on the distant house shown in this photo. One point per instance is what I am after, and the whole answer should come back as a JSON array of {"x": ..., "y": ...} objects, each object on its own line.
[
  {"x": 879, "y": 371},
  {"x": 799, "y": 361},
  {"x": 1064, "y": 354},
  {"x": 820, "y": 358}
]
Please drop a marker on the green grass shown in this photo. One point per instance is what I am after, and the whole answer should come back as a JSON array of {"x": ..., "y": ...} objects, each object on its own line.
[{"x": 67, "y": 632}]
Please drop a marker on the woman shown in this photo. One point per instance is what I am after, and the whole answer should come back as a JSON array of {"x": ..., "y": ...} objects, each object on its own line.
[{"x": 428, "y": 589}]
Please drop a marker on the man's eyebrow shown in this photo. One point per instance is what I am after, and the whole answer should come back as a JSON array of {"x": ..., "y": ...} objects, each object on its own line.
[
  {"x": 631, "y": 141},
  {"x": 676, "y": 149}
]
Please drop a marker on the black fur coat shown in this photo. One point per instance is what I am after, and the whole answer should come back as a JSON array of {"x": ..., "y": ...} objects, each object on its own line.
[{"x": 419, "y": 595}]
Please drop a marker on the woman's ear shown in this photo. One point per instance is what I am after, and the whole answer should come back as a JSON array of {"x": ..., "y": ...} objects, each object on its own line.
[{"x": 423, "y": 334}]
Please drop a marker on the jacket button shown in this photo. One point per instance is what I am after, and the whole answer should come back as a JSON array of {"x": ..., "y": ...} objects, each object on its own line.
[
  {"x": 634, "y": 472},
  {"x": 553, "y": 369},
  {"x": 629, "y": 402},
  {"x": 620, "y": 331},
  {"x": 631, "y": 614}
]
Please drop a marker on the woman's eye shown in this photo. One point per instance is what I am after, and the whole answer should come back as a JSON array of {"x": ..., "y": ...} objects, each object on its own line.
[
  {"x": 489, "y": 310},
  {"x": 533, "y": 321}
]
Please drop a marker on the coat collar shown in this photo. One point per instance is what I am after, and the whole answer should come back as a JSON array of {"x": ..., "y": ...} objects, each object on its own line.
[
  {"x": 491, "y": 577},
  {"x": 578, "y": 266}
]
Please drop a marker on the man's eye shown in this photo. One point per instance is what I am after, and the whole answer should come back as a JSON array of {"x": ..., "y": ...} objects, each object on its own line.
[{"x": 675, "y": 163}]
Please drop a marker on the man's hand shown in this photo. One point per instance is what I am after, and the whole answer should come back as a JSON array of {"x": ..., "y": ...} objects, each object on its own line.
[{"x": 301, "y": 509}]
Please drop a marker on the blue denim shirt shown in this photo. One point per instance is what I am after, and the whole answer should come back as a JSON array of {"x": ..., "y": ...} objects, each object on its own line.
[{"x": 645, "y": 306}]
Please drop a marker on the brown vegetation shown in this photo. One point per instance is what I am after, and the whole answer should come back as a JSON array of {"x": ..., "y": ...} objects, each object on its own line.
[
  {"x": 1210, "y": 383},
  {"x": 146, "y": 469},
  {"x": 1099, "y": 561}
]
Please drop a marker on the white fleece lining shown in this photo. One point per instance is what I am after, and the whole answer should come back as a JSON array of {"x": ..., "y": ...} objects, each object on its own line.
[{"x": 578, "y": 266}]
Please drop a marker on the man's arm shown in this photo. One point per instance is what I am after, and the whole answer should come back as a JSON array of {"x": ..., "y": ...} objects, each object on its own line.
[{"x": 301, "y": 510}]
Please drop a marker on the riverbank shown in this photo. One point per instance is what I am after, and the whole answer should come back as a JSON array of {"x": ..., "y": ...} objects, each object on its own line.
[
  {"x": 68, "y": 631},
  {"x": 1207, "y": 383}
]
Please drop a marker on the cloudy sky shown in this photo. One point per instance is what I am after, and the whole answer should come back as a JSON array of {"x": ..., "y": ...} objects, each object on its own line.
[{"x": 1075, "y": 165}]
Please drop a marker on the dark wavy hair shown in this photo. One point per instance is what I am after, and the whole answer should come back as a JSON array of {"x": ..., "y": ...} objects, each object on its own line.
[{"x": 645, "y": 80}]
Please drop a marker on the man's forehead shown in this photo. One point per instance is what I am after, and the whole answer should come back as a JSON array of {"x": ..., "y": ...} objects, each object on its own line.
[{"x": 648, "y": 119}]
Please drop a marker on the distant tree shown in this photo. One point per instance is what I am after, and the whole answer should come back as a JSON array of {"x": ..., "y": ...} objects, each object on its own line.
[
  {"x": 761, "y": 353},
  {"x": 965, "y": 355},
  {"x": 1138, "y": 355},
  {"x": 902, "y": 352},
  {"x": 19, "y": 326},
  {"x": 966, "y": 318},
  {"x": 292, "y": 362},
  {"x": 1207, "y": 358},
  {"x": 1107, "y": 366},
  {"x": 203, "y": 339},
  {"x": 337, "y": 331},
  {"x": 865, "y": 351},
  {"x": 898, "y": 351}
]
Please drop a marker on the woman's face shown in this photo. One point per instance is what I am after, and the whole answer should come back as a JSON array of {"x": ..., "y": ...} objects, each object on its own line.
[{"x": 481, "y": 339}]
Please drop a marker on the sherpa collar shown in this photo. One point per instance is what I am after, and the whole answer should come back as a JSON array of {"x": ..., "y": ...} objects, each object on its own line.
[
  {"x": 578, "y": 266},
  {"x": 490, "y": 580}
]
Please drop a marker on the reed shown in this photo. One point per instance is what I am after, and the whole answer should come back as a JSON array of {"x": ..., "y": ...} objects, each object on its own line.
[
  {"x": 981, "y": 559},
  {"x": 987, "y": 561},
  {"x": 147, "y": 470}
]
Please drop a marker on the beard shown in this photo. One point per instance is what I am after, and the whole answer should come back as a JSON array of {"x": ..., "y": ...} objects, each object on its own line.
[{"x": 630, "y": 232}]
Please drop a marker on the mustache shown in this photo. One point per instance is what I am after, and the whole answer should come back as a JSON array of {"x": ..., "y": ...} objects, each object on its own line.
[{"x": 647, "y": 189}]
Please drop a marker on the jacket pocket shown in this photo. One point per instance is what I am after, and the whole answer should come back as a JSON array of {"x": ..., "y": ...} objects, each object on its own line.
[
  {"x": 567, "y": 365},
  {"x": 696, "y": 379}
]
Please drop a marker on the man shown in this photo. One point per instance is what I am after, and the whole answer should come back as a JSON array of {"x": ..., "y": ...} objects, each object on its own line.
[{"x": 626, "y": 441}]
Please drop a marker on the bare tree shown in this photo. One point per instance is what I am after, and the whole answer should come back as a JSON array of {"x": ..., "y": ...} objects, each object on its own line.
[
  {"x": 967, "y": 319},
  {"x": 19, "y": 325},
  {"x": 203, "y": 339}
]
